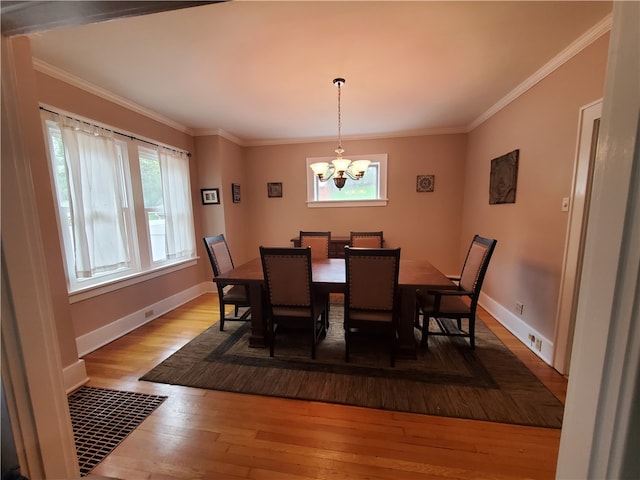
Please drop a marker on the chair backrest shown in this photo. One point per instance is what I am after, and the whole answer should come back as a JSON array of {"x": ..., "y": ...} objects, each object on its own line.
[
  {"x": 287, "y": 276},
  {"x": 366, "y": 240},
  {"x": 476, "y": 264},
  {"x": 318, "y": 241},
  {"x": 219, "y": 254},
  {"x": 372, "y": 279}
]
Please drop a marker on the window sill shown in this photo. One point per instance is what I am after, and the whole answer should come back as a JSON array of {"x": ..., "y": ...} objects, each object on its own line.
[
  {"x": 348, "y": 203},
  {"x": 97, "y": 290}
]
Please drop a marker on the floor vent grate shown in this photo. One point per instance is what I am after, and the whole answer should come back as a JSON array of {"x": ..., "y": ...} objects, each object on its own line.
[{"x": 102, "y": 418}]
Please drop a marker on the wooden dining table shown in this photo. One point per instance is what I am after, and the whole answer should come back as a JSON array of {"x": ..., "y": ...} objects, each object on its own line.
[{"x": 330, "y": 275}]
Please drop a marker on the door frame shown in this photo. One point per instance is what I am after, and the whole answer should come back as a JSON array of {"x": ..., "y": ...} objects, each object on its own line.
[{"x": 586, "y": 149}]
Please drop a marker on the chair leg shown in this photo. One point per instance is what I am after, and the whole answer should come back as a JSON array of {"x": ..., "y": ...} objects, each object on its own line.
[
  {"x": 424, "y": 340},
  {"x": 393, "y": 347},
  {"x": 472, "y": 331},
  {"x": 272, "y": 337},
  {"x": 221, "y": 317},
  {"x": 346, "y": 345},
  {"x": 314, "y": 336}
]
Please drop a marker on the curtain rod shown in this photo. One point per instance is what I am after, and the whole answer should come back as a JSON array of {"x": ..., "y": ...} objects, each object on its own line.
[{"x": 115, "y": 131}]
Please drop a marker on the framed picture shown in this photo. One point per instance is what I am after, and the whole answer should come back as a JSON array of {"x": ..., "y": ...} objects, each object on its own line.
[
  {"x": 235, "y": 192},
  {"x": 425, "y": 183},
  {"x": 274, "y": 189},
  {"x": 210, "y": 196},
  {"x": 504, "y": 178}
]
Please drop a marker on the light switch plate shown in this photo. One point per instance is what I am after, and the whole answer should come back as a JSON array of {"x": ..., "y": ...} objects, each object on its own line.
[{"x": 565, "y": 204}]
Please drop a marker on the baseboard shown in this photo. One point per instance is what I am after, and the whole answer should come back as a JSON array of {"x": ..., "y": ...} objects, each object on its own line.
[
  {"x": 91, "y": 341},
  {"x": 74, "y": 376},
  {"x": 518, "y": 328}
]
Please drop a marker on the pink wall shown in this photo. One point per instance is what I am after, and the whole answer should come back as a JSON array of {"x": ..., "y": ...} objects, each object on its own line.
[
  {"x": 96, "y": 312},
  {"x": 221, "y": 163},
  {"x": 542, "y": 123},
  {"x": 424, "y": 225}
]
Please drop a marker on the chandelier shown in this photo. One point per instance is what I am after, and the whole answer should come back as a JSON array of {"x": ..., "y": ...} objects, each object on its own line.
[{"x": 340, "y": 168}]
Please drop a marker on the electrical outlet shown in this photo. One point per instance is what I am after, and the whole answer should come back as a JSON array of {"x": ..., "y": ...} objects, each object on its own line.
[
  {"x": 539, "y": 345},
  {"x": 532, "y": 339},
  {"x": 148, "y": 313},
  {"x": 519, "y": 308}
]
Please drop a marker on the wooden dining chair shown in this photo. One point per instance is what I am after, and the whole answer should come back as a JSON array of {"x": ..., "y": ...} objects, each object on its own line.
[
  {"x": 318, "y": 241},
  {"x": 372, "y": 298},
  {"x": 235, "y": 295},
  {"x": 291, "y": 298},
  {"x": 366, "y": 240},
  {"x": 448, "y": 308}
]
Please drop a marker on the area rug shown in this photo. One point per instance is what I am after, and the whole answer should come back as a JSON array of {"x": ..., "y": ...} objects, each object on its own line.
[
  {"x": 102, "y": 418},
  {"x": 449, "y": 379}
]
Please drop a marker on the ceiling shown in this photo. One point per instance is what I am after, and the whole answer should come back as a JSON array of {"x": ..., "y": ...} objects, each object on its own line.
[{"x": 261, "y": 72}]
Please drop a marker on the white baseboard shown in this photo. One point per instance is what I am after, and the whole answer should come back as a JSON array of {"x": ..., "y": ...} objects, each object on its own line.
[
  {"x": 518, "y": 328},
  {"x": 91, "y": 341},
  {"x": 74, "y": 376}
]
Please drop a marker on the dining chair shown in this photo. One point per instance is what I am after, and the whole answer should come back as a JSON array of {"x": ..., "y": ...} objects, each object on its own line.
[
  {"x": 292, "y": 300},
  {"x": 235, "y": 295},
  {"x": 366, "y": 240},
  {"x": 372, "y": 298},
  {"x": 318, "y": 241},
  {"x": 447, "y": 308}
]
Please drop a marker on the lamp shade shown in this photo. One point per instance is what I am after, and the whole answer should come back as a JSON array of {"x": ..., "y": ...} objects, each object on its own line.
[
  {"x": 341, "y": 164},
  {"x": 319, "y": 168},
  {"x": 360, "y": 166}
]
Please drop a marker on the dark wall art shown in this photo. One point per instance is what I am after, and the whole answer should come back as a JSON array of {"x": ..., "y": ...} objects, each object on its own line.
[
  {"x": 274, "y": 189},
  {"x": 504, "y": 178},
  {"x": 425, "y": 183},
  {"x": 235, "y": 192}
]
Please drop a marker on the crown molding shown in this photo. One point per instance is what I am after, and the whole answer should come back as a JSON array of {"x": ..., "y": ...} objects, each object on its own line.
[
  {"x": 564, "y": 56},
  {"x": 221, "y": 133},
  {"x": 409, "y": 133},
  {"x": 567, "y": 54},
  {"x": 66, "y": 77}
]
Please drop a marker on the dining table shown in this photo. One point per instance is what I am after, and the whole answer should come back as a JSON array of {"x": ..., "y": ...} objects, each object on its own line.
[{"x": 329, "y": 274}]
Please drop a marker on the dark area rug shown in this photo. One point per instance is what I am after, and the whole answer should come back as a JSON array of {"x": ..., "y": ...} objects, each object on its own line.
[
  {"x": 449, "y": 379},
  {"x": 102, "y": 418}
]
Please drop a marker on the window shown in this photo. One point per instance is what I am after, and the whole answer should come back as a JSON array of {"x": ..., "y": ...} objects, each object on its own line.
[
  {"x": 370, "y": 190},
  {"x": 94, "y": 181}
]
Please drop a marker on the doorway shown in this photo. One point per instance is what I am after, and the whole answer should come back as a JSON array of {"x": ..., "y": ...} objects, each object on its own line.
[{"x": 576, "y": 231}]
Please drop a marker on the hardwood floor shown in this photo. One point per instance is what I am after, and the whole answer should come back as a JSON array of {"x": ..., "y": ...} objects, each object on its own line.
[{"x": 206, "y": 434}]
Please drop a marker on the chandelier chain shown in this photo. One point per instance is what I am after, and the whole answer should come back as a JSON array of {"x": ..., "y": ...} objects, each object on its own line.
[{"x": 339, "y": 120}]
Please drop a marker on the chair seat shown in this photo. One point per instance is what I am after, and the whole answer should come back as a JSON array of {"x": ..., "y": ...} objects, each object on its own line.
[
  {"x": 291, "y": 311},
  {"x": 448, "y": 304},
  {"x": 235, "y": 293},
  {"x": 369, "y": 316}
]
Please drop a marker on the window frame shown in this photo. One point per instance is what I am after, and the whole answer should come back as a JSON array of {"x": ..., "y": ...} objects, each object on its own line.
[
  {"x": 140, "y": 268},
  {"x": 380, "y": 158}
]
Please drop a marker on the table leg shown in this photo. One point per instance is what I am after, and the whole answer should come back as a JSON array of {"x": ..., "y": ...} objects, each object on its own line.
[
  {"x": 258, "y": 338},
  {"x": 406, "y": 337}
]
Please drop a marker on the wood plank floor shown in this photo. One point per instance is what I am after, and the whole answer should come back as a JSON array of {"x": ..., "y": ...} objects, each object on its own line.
[{"x": 205, "y": 434}]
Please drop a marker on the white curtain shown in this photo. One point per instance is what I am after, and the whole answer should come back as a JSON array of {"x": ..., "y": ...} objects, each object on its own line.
[
  {"x": 176, "y": 192},
  {"x": 95, "y": 188}
]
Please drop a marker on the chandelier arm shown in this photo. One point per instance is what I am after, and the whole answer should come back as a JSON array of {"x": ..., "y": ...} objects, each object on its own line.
[
  {"x": 351, "y": 175},
  {"x": 328, "y": 174}
]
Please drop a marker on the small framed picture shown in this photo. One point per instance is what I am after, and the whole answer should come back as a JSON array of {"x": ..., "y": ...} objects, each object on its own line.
[
  {"x": 274, "y": 189},
  {"x": 425, "y": 183},
  {"x": 235, "y": 191},
  {"x": 210, "y": 196}
]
